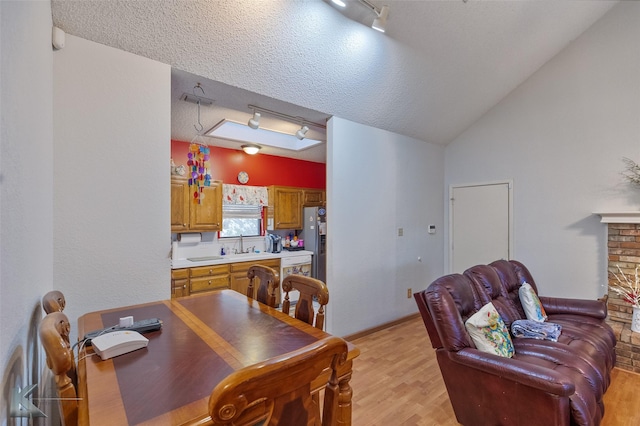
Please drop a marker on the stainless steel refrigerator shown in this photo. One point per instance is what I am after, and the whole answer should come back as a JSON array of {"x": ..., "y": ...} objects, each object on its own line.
[{"x": 315, "y": 240}]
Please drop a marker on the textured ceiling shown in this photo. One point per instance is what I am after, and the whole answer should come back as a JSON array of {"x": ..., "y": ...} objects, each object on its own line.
[{"x": 439, "y": 67}]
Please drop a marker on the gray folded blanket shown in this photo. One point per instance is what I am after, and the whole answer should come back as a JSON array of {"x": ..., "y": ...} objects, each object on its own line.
[{"x": 536, "y": 330}]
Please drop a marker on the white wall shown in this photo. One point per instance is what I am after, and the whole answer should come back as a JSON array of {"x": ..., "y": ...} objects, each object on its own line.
[
  {"x": 561, "y": 137},
  {"x": 377, "y": 182},
  {"x": 26, "y": 189},
  {"x": 111, "y": 177}
]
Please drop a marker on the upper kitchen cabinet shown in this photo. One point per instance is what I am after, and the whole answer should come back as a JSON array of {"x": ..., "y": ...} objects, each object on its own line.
[
  {"x": 187, "y": 216},
  {"x": 285, "y": 204},
  {"x": 313, "y": 197}
]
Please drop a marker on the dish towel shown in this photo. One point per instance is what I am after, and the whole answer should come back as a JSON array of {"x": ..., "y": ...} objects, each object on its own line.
[{"x": 536, "y": 330}]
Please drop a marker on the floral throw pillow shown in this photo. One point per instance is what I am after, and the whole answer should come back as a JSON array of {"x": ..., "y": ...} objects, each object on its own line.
[
  {"x": 533, "y": 309},
  {"x": 489, "y": 333}
]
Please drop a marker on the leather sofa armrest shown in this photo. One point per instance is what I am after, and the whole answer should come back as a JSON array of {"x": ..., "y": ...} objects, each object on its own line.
[
  {"x": 515, "y": 370},
  {"x": 592, "y": 308}
]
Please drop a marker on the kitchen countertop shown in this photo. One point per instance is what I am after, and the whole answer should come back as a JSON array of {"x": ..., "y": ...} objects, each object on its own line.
[{"x": 233, "y": 258}]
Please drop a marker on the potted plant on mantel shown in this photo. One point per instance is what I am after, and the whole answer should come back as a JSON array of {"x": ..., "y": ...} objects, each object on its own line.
[
  {"x": 629, "y": 291},
  {"x": 632, "y": 171}
]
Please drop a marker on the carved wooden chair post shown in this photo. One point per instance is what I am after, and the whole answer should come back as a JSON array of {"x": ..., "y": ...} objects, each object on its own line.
[
  {"x": 269, "y": 282},
  {"x": 309, "y": 289},
  {"x": 54, "y": 335},
  {"x": 278, "y": 391},
  {"x": 53, "y": 301}
]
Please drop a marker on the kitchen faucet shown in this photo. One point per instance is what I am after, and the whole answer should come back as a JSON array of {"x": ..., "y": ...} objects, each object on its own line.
[{"x": 251, "y": 249}]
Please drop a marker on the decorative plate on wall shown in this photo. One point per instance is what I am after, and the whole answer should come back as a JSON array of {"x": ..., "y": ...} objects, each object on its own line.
[{"x": 243, "y": 177}]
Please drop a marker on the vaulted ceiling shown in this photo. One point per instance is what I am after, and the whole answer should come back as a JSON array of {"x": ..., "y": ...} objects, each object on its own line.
[{"x": 438, "y": 68}]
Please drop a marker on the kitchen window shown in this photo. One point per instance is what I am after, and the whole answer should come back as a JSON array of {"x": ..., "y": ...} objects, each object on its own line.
[{"x": 245, "y": 220}]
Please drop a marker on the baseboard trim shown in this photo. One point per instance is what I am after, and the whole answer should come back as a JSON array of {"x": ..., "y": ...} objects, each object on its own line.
[{"x": 368, "y": 331}]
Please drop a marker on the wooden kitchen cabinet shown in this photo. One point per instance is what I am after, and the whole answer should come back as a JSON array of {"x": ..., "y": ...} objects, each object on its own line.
[
  {"x": 238, "y": 275},
  {"x": 197, "y": 280},
  {"x": 313, "y": 197},
  {"x": 208, "y": 278},
  {"x": 187, "y": 216},
  {"x": 179, "y": 205},
  {"x": 179, "y": 283},
  {"x": 285, "y": 207}
]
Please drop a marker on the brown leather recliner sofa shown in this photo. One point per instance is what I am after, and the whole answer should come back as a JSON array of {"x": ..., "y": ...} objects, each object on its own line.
[{"x": 545, "y": 382}]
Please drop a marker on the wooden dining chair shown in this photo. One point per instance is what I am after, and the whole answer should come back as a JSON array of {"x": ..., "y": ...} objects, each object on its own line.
[
  {"x": 54, "y": 335},
  {"x": 278, "y": 391},
  {"x": 309, "y": 288},
  {"x": 53, "y": 301},
  {"x": 269, "y": 282}
]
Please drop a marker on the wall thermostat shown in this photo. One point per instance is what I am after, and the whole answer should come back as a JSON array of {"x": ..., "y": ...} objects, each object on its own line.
[{"x": 432, "y": 229}]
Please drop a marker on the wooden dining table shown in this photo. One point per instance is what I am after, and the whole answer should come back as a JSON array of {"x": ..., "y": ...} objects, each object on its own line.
[{"x": 203, "y": 338}]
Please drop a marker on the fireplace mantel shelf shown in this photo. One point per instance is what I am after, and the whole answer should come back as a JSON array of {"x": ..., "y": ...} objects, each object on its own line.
[{"x": 620, "y": 217}]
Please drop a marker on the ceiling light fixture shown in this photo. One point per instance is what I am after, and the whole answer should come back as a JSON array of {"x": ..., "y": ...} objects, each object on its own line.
[
  {"x": 301, "y": 133},
  {"x": 380, "y": 22},
  {"x": 339, "y": 3},
  {"x": 251, "y": 149},
  {"x": 254, "y": 122}
]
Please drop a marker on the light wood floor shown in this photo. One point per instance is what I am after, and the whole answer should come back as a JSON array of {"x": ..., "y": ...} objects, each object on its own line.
[{"x": 396, "y": 381}]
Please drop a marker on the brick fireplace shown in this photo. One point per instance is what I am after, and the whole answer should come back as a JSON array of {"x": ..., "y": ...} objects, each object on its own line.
[{"x": 623, "y": 250}]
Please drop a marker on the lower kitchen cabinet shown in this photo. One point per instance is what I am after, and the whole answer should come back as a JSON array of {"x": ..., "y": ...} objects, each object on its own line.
[
  {"x": 239, "y": 280},
  {"x": 208, "y": 278},
  {"x": 187, "y": 281},
  {"x": 179, "y": 283},
  {"x": 197, "y": 280}
]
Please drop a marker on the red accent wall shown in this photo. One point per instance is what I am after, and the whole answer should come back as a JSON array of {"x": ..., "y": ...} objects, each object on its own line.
[{"x": 263, "y": 170}]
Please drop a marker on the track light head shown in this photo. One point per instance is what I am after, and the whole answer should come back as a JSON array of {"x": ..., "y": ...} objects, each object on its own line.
[
  {"x": 381, "y": 20},
  {"x": 301, "y": 133},
  {"x": 254, "y": 122}
]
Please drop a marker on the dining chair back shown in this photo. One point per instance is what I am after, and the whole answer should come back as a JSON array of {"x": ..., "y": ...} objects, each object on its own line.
[
  {"x": 54, "y": 335},
  {"x": 310, "y": 289},
  {"x": 268, "y": 284},
  {"x": 278, "y": 391}
]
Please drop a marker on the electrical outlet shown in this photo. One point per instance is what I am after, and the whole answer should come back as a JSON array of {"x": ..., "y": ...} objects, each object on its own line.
[
  {"x": 400, "y": 232},
  {"x": 409, "y": 293}
]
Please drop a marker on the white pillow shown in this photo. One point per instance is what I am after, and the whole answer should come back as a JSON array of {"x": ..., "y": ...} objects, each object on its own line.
[
  {"x": 533, "y": 309},
  {"x": 489, "y": 333}
]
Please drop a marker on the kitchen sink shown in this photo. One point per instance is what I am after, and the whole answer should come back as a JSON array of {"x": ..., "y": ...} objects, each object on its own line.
[{"x": 204, "y": 259}]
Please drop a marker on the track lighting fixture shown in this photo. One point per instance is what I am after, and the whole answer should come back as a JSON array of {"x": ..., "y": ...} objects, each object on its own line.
[
  {"x": 300, "y": 134},
  {"x": 251, "y": 149},
  {"x": 304, "y": 124},
  {"x": 254, "y": 122},
  {"x": 284, "y": 116},
  {"x": 381, "y": 21}
]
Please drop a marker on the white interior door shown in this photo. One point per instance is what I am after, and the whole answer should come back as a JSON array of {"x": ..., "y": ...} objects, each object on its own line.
[{"x": 479, "y": 225}]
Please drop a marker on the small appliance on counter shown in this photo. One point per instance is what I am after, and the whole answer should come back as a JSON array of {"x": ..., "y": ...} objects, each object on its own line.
[{"x": 273, "y": 243}]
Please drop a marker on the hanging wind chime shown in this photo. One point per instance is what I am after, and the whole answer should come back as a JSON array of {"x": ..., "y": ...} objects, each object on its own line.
[{"x": 198, "y": 159}]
